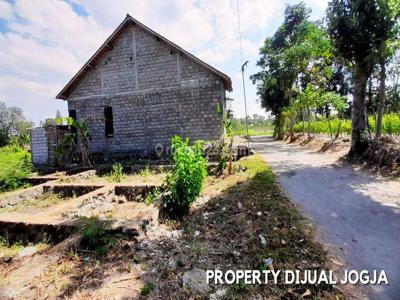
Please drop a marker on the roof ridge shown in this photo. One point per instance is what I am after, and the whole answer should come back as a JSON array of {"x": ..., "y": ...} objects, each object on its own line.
[{"x": 76, "y": 79}]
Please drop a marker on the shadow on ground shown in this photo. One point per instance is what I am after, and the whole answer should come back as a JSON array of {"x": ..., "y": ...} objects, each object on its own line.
[
  {"x": 356, "y": 211},
  {"x": 223, "y": 233}
]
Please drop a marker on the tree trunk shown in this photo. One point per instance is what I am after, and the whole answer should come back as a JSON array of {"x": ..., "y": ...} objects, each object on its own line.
[
  {"x": 338, "y": 130},
  {"x": 381, "y": 95},
  {"x": 308, "y": 122},
  {"x": 278, "y": 127},
  {"x": 395, "y": 89},
  {"x": 359, "y": 133}
]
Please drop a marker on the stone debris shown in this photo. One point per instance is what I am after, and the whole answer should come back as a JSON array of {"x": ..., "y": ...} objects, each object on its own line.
[
  {"x": 196, "y": 281},
  {"x": 262, "y": 239},
  {"x": 236, "y": 253},
  {"x": 28, "y": 251},
  {"x": 219, "y": 294}
]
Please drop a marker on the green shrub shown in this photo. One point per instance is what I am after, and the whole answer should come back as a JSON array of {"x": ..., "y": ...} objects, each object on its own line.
[
  {"x": 185, "y": 182},
  {"x": 15, "y": 167},
  {"x": 117, "y": 173}
]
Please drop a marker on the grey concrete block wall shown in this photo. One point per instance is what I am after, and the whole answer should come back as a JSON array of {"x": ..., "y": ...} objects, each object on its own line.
[
  {"x": 39, "y": 147},
  {"x": 155, "y": 92}
]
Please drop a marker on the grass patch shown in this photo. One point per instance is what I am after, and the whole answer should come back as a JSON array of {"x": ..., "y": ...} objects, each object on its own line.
[
  {"x": 96, "y": 235},
  {"x": 147, "y": 289},
  {"x": 218, "y": 233},
  {"x": 228, "y": 236},
  {"x": 15, "y": 167},
  {"x": 8, "y": 250},
  {"x": 43, "y": 201}
]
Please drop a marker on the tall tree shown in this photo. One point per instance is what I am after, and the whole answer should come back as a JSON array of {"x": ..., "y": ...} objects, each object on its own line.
[
  {"x": 12, "y": 124},
  {"x": 386, "y": 52},
  {"x": 359, "y": 28},
  {"x": 297, "y": 54}
]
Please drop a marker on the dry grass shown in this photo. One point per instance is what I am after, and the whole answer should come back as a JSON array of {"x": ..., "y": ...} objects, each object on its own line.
[
  {"x": 223, "y": 234},
  {"x": 11, "y": 250},
  {"x": 133, "y": 179},
  {"x": 43, "y": 201},
  {"x": 218, "y": 233}
]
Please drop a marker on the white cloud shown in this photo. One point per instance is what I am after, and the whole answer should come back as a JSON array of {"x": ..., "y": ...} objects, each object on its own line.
[
  {"x": 26, "y": 56},
  {"x": 47, "y": 41},
  {"x": 31, "y": 96},
  {"x": 321, "y": 4},
  {"x": 5, "y": 10}
]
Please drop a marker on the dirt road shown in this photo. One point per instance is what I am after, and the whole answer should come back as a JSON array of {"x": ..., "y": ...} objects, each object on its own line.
[{"x": 357, "y": 212}]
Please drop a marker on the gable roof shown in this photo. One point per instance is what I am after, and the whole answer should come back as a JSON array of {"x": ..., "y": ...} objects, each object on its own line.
[{"x": 89, "y": 65}]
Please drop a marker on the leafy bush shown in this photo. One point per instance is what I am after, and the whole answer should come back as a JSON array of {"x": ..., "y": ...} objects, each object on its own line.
[
  {"x": 116, "y": 174},
  {"x": 185, "y": 181},
  {"x": 15, "y": 167}
]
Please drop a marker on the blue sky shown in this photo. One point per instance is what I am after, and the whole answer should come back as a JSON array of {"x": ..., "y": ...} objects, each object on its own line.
[{"x": 45, "y": 42}]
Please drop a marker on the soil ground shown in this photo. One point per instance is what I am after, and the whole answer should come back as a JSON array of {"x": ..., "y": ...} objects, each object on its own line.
[
  {"x": 356, "y": 211},
  {"x": 242, "y": 221}
]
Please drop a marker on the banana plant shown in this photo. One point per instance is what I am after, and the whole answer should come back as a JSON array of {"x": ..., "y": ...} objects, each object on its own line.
[{"x": 80, "y": 138}]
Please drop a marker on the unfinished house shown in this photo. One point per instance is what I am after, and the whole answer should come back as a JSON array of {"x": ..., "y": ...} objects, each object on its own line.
[{"x": 140, "y": 89}]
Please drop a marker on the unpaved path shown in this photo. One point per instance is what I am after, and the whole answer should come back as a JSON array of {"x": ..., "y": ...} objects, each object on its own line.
[{"x": 359, "y": 213}]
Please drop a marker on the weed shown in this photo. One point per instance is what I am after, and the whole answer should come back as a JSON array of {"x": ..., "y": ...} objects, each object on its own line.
[
  {"x": 7, "y": 250},
  {"x": 96, "y": 236},
  {"x": 65, "y": 179},
  {"x": 65, "y": 268},
  {"x": 146, "y": 172},
  {"x": 147, "y": 289},
  {"x": 116, "y": 174},
  {"x": 152, "y": 195},
  {"x": 199, "y": 250},
  {"x": 65, "y": 285},
  {"x": 240, "y": 287}
]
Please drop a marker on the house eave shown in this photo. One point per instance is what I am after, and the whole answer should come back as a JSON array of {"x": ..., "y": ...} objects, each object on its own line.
[{"x": 108, "y": 44}]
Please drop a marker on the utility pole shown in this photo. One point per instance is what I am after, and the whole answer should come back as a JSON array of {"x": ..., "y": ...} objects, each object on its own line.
[
  {"x": 243, "y": 66},
  {"x": 245, "y": 104}
]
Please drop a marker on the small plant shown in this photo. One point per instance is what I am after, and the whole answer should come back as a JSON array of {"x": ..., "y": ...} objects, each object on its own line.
[
  {"x": 146, "y": 172},
  {"x": 96, "y": 236},
  {"x": 152, "y": 195},
  {"x": 185, "y": 182},
  {"x": 77, "y": 141},
  {"x": 117, "y": 172},
  {"x": 147, "y": 289},
  {"x": 9, "y": 250}
]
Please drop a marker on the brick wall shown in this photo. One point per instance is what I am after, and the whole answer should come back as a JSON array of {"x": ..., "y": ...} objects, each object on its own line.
[
  {"x": 155, "y": 92},
  {"x": 39, "y": 147}
]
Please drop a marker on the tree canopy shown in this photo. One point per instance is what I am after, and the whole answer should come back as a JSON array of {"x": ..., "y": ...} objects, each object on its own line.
[
  {"x": 309, "y": 69},
  {"x": 13, "y": 125}
]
